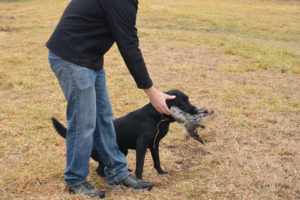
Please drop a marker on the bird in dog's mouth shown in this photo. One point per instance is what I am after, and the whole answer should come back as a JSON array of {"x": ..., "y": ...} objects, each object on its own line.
[{"x": 190, "y": 122}]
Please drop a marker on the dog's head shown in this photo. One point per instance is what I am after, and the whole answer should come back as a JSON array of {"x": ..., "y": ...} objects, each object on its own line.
[{"x": 181, "y": 101}]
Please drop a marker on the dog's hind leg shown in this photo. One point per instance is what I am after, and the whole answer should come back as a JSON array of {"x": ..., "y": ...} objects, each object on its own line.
[
  {"x": 155, "y": 156},
  {"x": 100, "y": 170},
  {"x": 124, "y": 151}
]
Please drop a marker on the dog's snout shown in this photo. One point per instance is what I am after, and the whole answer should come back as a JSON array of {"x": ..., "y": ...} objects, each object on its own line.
[{"x": 204, "y": 112}]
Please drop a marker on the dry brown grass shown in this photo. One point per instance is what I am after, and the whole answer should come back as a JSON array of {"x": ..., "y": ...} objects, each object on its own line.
[{"x": 240, "y": 58}]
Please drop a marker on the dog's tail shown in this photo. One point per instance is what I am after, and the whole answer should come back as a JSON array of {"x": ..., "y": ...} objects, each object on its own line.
[{"x": 61, "y": 130}]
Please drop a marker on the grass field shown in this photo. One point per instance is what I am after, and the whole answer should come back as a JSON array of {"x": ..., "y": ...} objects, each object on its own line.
[{"x": 240, "y": 58}]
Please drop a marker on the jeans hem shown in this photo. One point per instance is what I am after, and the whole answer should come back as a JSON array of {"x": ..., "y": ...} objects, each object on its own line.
[
  {"x": 118, "y": 178},
  {"x": 74, "y": 184}
]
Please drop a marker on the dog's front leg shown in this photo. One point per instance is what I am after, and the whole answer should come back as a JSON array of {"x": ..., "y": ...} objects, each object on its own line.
[
  {"x": 156, "y": 160},
  {"x": 141, "y": 149}
]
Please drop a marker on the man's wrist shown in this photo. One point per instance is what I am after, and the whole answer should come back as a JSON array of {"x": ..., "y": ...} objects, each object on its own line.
[{"x": 150, "y": 91}]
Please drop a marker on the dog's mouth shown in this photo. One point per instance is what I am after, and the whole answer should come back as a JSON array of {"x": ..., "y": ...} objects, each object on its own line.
[
  {"x": 190, "y": 122},
  {"x": 203, "y": 112}
]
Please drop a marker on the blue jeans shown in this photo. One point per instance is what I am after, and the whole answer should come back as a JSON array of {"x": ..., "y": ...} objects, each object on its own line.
[{"x": 90, "y": 121}]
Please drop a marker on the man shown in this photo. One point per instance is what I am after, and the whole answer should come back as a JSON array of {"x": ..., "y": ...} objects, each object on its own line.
[{"x": 85, "y": 32}]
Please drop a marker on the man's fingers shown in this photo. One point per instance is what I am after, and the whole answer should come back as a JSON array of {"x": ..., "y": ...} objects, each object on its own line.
[
  {"x": 159, "y": 102},
  {"x": 166, "y": 110},
  {"x": 163, "y": 110},
  {"x": 170, "y": 97},
  {"x": 160, "y": 109},
  {"x": 165, "y": 107}
]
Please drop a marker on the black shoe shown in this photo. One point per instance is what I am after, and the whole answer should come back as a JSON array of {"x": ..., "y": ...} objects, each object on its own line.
[
  {"x": 130, "y": 182},
  {"x": 86, "y": 189}
]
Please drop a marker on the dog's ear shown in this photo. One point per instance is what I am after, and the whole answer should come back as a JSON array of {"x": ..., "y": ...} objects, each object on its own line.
[{"x": 171, "y": 102}]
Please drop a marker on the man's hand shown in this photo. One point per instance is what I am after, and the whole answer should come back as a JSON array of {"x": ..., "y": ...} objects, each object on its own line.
[{"x": 158, "y": 100}]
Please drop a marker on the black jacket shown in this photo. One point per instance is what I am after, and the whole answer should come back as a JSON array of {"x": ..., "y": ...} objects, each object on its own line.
[{"x": 87, "y": 30}]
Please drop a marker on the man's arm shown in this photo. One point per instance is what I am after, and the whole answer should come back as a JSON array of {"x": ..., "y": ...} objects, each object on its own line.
[{"x": 121, "y": 15}]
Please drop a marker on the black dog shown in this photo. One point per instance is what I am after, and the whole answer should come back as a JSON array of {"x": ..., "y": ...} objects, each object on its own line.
[{"x": 140, "y": 130}]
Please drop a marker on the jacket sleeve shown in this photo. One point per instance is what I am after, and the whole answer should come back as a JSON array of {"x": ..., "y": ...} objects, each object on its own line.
[{"x": 121, "y": 16}]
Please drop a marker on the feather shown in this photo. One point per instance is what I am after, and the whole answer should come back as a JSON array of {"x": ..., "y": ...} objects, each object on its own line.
[{"x": 190, "y": 122}]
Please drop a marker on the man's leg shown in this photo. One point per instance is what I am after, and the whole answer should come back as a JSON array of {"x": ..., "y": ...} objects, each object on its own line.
[
  {"x": 104, "y": 136},
  {"x": 78, "y": 86},
  {"x": 105, "y": 141}
]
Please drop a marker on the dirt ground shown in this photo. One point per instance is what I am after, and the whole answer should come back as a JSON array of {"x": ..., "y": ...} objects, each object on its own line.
[{"x": 239, "y": 58}]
